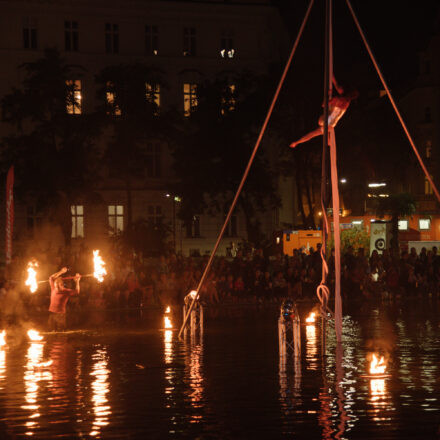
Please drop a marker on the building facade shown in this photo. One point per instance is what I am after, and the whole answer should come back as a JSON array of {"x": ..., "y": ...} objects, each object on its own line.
[{"x": 189, "y": 41}]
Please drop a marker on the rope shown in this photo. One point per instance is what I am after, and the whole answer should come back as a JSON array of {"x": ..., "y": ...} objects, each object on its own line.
[
  {"x": 246, "y": 172},
  {"x": 393, "y": 103}
]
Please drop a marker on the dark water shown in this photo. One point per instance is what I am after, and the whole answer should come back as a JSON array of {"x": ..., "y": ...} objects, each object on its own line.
[{"x": 125, "y": 378}]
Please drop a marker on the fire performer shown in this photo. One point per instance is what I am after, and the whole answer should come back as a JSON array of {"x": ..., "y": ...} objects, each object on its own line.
[
  {"x": 338, "y": 105},
  {"x": 59, "y": 296}
]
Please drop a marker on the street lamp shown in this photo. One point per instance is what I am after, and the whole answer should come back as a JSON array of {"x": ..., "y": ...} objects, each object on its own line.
[{"x": 176, "y": 199}]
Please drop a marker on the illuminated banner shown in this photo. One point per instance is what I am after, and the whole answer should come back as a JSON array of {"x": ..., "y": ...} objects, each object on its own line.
[{"x": 9, "y": 213}]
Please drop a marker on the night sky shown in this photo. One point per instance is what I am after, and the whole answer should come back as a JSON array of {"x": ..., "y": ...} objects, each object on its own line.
[{"x": 395, "y": 30}]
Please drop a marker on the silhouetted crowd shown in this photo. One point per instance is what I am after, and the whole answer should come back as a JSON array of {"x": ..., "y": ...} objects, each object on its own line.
[{"x": 134, "y": 281}]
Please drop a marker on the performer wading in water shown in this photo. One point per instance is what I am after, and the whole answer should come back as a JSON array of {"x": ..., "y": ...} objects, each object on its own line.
[
  {"x": 59, "y": 296},
  {"x": 338, "y": 105}
]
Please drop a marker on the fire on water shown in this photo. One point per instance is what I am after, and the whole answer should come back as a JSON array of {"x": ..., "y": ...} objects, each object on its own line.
[
  {"x": 377, "y": 366},
  {"x": 31, "y": 280},
  {"x": 34, "y": 335},
  {"x": 167, "y": 322},
  {"x": 311, "y": 318},
  {"x": 3, "y": 338},
  {"x": 99, "y": 270}
]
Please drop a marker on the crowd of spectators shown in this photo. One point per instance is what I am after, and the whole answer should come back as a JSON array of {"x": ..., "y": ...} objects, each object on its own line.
[{"x": 134, "y": 281}]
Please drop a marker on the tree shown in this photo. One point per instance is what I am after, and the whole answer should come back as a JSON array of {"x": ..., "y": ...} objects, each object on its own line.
[
  {"x": 396, "y": 205},
  {"x": 217, "y": 141},
  {"x": 53, "y": 151},
  {"x": 134, "y": 122}
]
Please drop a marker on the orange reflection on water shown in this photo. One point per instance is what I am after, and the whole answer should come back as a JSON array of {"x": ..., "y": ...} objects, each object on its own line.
[
  {"x": 2, "y": 366},
  {"x": 311, "y": 347},
  {"x": 100, "y": 388},
  {"x": 35, "y": 372},
  {"x": 196, "y": 379}
]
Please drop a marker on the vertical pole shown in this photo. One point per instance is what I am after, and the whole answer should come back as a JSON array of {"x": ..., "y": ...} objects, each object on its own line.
[
  {"x": 201, "y": 319},
  {"x": 174, "y": 223}
]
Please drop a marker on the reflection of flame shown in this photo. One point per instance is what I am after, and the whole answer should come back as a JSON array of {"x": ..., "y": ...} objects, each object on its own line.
[
  {"x": 34, "y": 335},
  {"x": 311, "y": 317},
  {"x": 3, "y": 338},
  {"x": 168, "y": 309},
  {"x": 168, "y": 351},
  {"x": 100, "y": 388},
  {"x": 377, "y": 366},
  {"x": 168, "y": 322},
  {"x": 99, "y": 269},
  {"x": 31, "y": 280},
  {"x": 377, "y": 388}
]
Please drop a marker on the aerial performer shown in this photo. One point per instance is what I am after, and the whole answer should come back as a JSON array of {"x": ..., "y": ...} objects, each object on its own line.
[
  {"x": 337, "y": 106},
  {"x": 59, "y": 296}
]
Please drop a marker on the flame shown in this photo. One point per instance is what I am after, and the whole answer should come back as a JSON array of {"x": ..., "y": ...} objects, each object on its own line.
[
  {"x": 168, "y": 309},
  {"x": 192, "y": 294},
  {"x": 3, "y": 338},
  {"x": 99, "y": 269},
  {"x": 31, "y": 280},
  {"x": 377, "y": 366},
  {"x": 168, "y": 322},
  {"x": 311, "y": 317},
  {"x": 34, "y": 335}
]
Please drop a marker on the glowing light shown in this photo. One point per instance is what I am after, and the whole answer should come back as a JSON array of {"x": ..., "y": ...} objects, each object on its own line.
[
  {"x": 99, "y": 269},
  {"x": 3, "y": 338},
  {"x": 31, "y": 280},
  {"x": 377, "y": 366},
  {"x": 167, "y": 322},
  {"x": 376, "y": 185},
  {"x": 192, "y": 294},
  {"x": 343, "y": 180},
  {"x": 168, "y": 309},
  {"x": 34, "y": 335},
  {"x": 311, "y": 317}
]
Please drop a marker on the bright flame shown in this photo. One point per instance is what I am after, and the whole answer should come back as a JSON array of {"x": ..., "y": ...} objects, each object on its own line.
[
  {"x": 34, "y": 335},
  {"x": 377, "y": 366},
  {"x": 311, "y": 317},
  {"x": 192, "y": 294},
  {"x": 99, "y": 269},
  {"x": 168, "y": 309},
  {"x": 31, "y": 280},
  {"x": 3, "y": 338},
  {"x": 168, "y": 322}
]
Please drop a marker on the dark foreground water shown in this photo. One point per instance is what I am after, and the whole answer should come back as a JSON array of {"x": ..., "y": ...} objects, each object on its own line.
[{"x": 126, "y": 378}]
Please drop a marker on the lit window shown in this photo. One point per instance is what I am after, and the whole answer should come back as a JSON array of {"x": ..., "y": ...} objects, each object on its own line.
[
  {"x": 403, "y": 225},
  {"x": 154, "y": 214},
  {"x": 227, "y": 44},
  {"x": 193, "y": 227},
  {"x": 228, "y": 100},
  {"x": 74, "y": 96},
  {"x": 111, "y": 38},
  {"x": 424, "y": 224},
  {"x": 428, "y": 187},
  {"x": 152, "y": 160},
  {"x": 114, "y": 109},
  {"x": 71, "y": 36},
  {"x": 189, "y": 98},
  {"x": 115, "y": 219},
  {"x": 189, "y": 41},
  {"x": 77, "y": 212},
  {"x": 29, "y": 33},
  {"x": 153, "y": 93},
  {"x": 151, "y": 40}
]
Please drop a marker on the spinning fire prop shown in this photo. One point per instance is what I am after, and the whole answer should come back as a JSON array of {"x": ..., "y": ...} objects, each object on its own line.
[{"x": 31, "y": 280}]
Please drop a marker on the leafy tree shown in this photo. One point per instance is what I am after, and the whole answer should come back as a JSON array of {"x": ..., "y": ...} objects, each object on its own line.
[
  {"x": 217, "y": 141},
  {"x": 133, "y": 121},
  {"x": 52, "y": 151},
  {"x": 396, "y": 205}
]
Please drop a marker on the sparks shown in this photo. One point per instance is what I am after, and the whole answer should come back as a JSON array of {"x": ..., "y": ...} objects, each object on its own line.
[
  {"x": 377, "y": 366},
  {"x": 311, "y": 317},
  {"x": 31, "y": 280},
  {"x": 34, "y": 335},
  {"x": 99, "y": 269}
]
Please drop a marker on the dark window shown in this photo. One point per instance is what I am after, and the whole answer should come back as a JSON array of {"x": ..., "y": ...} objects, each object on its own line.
[
  {"x": 231, "y": 228},
  {"x": 227, "y": 49},
  {"x": 153, "y": 162},
  {"x": 111, "y": 38},
  {"x": 154, "y": 214},
  {"x": 151, "y": 40},
  {"x": 428, "y": 114},
  {"x": 71, "y": 38},
  {"x": 30, "y": 34},
  {"x": 189, "y": 41}
]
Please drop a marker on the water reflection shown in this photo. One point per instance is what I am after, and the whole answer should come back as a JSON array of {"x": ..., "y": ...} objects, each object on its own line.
[
  {"x": 100, "y": 389},
  {"x": 311, "y": 347},
  {"x": 194, "y": 358},
  {"x": 2, "y": 366},
  {"x": 35, "y": 372}
]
